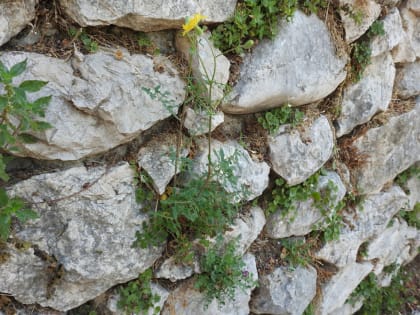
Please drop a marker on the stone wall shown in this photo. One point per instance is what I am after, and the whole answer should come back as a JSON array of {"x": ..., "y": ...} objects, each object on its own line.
[{"x": 103, "y": 115}]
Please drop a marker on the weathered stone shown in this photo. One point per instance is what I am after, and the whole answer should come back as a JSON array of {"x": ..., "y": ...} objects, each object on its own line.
[
  {"x": 14, "y": 16},
  {"x": 303, "y": 220},
  {"x": 404, "y": 51},
  {"x": 87, "y": 223},
  {"x": 285, "y": 291},
  {"x": 336, "y": 291},
  {"x": 408, "y": 80},
  {"x": 251, "y": 175},
  {"x": 298, "y": 66},
  {"x": 209, "y": 66},
  {"x": 197, "y": 122},
  {"x": 348, "y": 308},
  {"x": 373, "y": 216},
  {"x": 103, "y": 108},
  {"x": 414, "y": 6},
  {"x": 145, "y": 16},
  {"x": 413, "y": 186},
  {"x": 397, "y": 244},
  {"x": 411, "y": 25},
  {"x": 390, "y": 148},
  {"x": 189, "y": 301},
  {"x": 370, "y": 95},
  {"x": 393, "y": 30},
  {"x": 295, "y": 156},
  {"x": 156, "y": 290},
  {"x": 368, "y": 11},
  {"x": 158, "y": 157},
  {"x": 244, "y": 230}
]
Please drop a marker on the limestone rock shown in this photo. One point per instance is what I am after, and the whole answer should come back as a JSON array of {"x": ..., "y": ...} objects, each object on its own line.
[
  {"x": 145, "y": 15},
  {"x": 390, "y": 148},
  {"x": 298, "y": 66},
  {"x": 306, "y": 216},
  {"x": 103, "y": 108},
  {"x": 14, "y": 16},
  {"x": 252, "y": 175},
  {"x": 373, "y": 216},
  {"x": 156, "y": 289},
  {"x": 367, "y": 10},
  {"x": 336, "y": 291},
  {"x": 295, "y": 156},
  {"x": 408, "y": 80},
  {"x": 413, "y": 186},
  {"x": 285, "y": 291},
  {"x": 348, "y": 308},
  {"x": 412, "y": 28},
  {"x": 393, "y": 34},
  {"x": 85, "y": 233},
  {"x": 208, "y": 64},
  {"x": 174, "y": 271},
  {"x": 370, "y": 95},
  {"x": 189, "y": 301},
  {"x": 158, "y": 157},
  {"x": 414, "y": 6},
  {"x": 197, "y": 122},
  {"x": 404, "y": 51}
]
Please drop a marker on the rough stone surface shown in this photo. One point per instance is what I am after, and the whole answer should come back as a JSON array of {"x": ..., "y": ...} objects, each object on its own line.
[
  {"x": 295, "y": 156},
  {"x": 336, "y": 291},
  {"x": 390, "y": 148},
  {"x": 157, "y": 158},
  {"x": 208, "y": 64},
  {"x": 408, "y": 80},
  {"x": 197, "y": 122},
  {"x": 414, "y": 6},
  {"x": 188, "y": 301},
  {"x": 306, "y": 216},
  {"x": 298, "y": 66},
  {"x": 368, "y": 10},
  {"x": 285, "y": 291},
  {"x": 397, "y": 244},
  {"x": 14, "y": 16},
  {"x": 413, "y": 186},
  {"x": 103, "y": 108},
  {"x": 412, "y": 28},
  {"x": 156, "y": 290},
  {"x": 371, "y": 94},
  {"x": 373, "y": 216},
  {"x": 145, "y": 15},
  {"x": 245, "y": 230},
  {"x": 348, "y": 309},
  {"x": 393, "y": 34},
  {"x": 251, "y": 175},
  {"x": 89, "y": 231}
]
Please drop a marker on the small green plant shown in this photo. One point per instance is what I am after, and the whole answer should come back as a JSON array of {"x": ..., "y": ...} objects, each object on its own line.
[
  {"x": 137, "y": 297},
  {"x": 402, "y": 178},
  {"x": 380, "y": 300},
  {"x": 272, "y": 120},
  {"x": 412, "y": 217},
  {"x": 222, "y": 272},
  {"x": 18, "y": 119},
  {"x": 309, "y": 310},
  {"x": 361, "y": 52},
  {"x": 355, "y": 14},
  {"x": 88, "y": 43},
  {"x": 296, "y": 252}
]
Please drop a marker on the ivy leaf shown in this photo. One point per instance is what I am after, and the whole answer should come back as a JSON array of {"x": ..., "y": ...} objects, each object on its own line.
[
  {"x": 18, "y": 68},
  {"x": 24, "y": 215},
  {"x": 32, "y": 85}
]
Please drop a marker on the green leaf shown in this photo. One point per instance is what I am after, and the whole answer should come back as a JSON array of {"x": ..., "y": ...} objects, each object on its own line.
[
  {"x": 24, "y": 215},
  {"x": 27, "y": 138},
  {"x": 3, "y": 174},
  {"x": 32, "y": 85},
  {"x": 4, "y": 226},
  {"x": 4, "y": 198},
  {"x": 41, "y": 102},
  {"x": 40, "y": 125},
  {"x": 4, "y": 74},
  {"x": 3, "y": 102},
  {"x": 18, "y": 68}
]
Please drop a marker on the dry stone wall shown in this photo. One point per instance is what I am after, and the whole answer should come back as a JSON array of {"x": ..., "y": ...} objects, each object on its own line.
[{"x": 80, "y": 246}]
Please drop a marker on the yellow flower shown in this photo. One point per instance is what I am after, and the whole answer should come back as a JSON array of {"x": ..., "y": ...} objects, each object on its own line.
[{"x": 192, "y": 23}]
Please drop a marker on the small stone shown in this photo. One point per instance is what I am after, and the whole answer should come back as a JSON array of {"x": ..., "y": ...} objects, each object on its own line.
[
  {"x": 197, "y": 122},
  {"x": 408, "y": 80}
]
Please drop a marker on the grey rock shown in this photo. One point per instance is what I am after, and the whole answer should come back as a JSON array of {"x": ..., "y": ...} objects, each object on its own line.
[
  {"x": 14, "y": 16},
  {"x": 412, "y": 28},
  {"x": 209, "y": 66},
  {"x": 89, "y": 231},
  {"x": 174, "y": 271},
  {"x": 103, "y": 108},
  {"x": 336, "y": 291},
  {"x": 197, "y": 121},
  {"x": 285, "y": 291},
  {"x": 251, "y": 175},
  {"x": 408, "y": 80},
  {"x": 414, "y": 6},
  {"x": 370, "y": 95},
  {"x": 145, "y": 16},
  {"x": 393, "y": 34},
  {"x": 390, "y": 148},
  {"x": 158, "y": 158},
  {"x": 156, "y": 289},
  {"x": 189, "y": 301},
  {"x": 413, "y": 186},
  {"x": 368, "y": 11},
  {"x": 296, "y": 156},
  {"x": 306, "y": 216},
  {"x": 404, "y": 51},
  {"x": 298, "y": 66},
  {"x": 373, "y": 216},
  {"x": 348, "y": 308}
]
